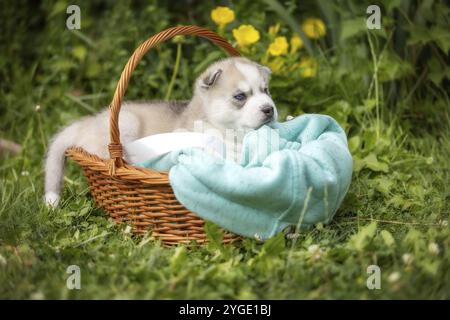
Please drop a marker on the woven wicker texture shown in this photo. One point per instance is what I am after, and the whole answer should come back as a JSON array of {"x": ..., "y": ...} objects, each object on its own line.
[{"x": 143, "y": 198}]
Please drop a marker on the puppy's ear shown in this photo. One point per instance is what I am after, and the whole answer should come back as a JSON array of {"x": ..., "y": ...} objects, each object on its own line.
[
  {"x": 265, "y": 70},
  {"x": 208, "y": 81}
]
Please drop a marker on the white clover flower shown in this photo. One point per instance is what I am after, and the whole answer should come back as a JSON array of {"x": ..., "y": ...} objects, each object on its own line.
[
  {"x": 127, "y": 230},
  {"x": 37, "y": 108},
  {"x": 313, "y": 248},
  {"x": 2, "y": 260},
  {"x": 38, "y": 295},
  {"x": 315, "y": 251},
  {"x": 292, "y": 235},
  {"x": 433, "y": 248},
  {"x": 407, "y": 258},
  {"x": 24, "y": 173},
  {"x": 394, "y": 277}
]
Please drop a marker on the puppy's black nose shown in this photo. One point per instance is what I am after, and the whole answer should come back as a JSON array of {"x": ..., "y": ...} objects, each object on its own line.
[{"x": 268, "y": 111}]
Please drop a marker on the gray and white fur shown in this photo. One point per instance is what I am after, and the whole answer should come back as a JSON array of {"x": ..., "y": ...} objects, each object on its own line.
[{"x": 230, "y": 94}]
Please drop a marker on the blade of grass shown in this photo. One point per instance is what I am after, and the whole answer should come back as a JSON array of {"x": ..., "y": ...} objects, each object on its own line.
[
  {"x": 84, "y": 37},
  {"x": 80, "y": 103},
  {"x": 330, "y": 16},
  {"x": 175, "y": 72}
]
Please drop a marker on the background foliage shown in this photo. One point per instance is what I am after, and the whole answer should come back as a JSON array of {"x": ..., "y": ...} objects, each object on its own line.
[{"x": 387, "y": 88}]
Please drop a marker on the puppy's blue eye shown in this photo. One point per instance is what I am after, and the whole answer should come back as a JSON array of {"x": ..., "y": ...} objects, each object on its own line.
[{"x": 240, "y": 97}]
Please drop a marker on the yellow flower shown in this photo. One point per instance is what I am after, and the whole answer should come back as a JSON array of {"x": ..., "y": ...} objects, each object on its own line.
[
  {"x": 314, "y": 28},
  {"x": 273, "y": 30},
  {"x": 222, "y": 16},
  {"x": 246, "y": 35},
  {"x": 276, "y": 65},
  {"x": 296, "y": 43},
  {"x": 308, "y": 67},
  {"x": 278, "y": 47}
]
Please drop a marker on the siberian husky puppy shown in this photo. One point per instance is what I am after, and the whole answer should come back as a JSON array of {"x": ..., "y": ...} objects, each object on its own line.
[{"x": 231, "y": 95}]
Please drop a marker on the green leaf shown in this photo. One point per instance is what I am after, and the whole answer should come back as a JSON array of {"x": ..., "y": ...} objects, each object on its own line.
[
  {"x": 442, "y": 37},
  {"x": 370, "y": 140},
  {"x": 392, "y": 67},
  {"x": 358, "y": 164},
  {"x": 179, "y": 258},
  {"x": 274, "y": 245},
  {"x": 213, "y": 233},
  {"x": 418, "y": 191},
  {"x": 423, "y": 35},
  {"x": 354, "y": 143},
  {"x": 437, "y": 72},
  {"x": 63, "y": 65},
  {"x": 373, "y": 164},
  {"x": 353, "y": 27},
  {"x": 412, "y": 236},
  {"x": 387, "y": 238},
  {"x": 79, "y": 52},
  {"x": 418, "y": 35},
  {"x": 58, "y": 8},
  {"x": 383, "y": 185},
  {"x": 213, "y": 56},
  {"x": 340, "y": 110},
  {"x": 399, "y": 202},
  {"x": 84, "y": 211},
  {"x": 331, "y": 17},
  {"x": 392, "y": 4},
  {"x": 360, "y": 240},
  {"x": 93, "y": 69},
  {"x": 430, "y": 267},
  {"x": 367, "y": 106}
]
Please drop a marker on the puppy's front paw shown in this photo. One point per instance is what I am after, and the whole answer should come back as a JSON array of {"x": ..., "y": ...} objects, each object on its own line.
[{"x": 51, "y": 199}]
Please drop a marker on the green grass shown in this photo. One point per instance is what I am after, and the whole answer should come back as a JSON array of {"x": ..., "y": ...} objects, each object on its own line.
[{"x": 395, "y": 214}]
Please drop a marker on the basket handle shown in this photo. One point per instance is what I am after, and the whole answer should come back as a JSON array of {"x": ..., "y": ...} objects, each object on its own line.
[{"x": 115, "y": 147}]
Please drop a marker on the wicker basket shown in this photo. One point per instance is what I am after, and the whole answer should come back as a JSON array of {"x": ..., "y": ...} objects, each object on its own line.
[{"x": 143, "y": 198}]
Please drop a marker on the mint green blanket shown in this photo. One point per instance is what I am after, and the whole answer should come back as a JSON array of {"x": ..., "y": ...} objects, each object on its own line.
[{"x": 292, "y": 173}]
